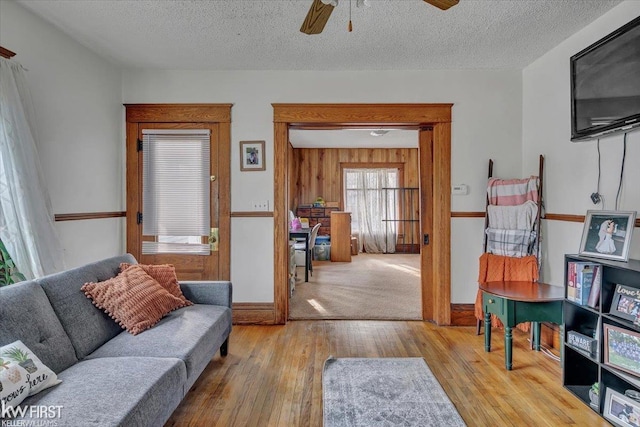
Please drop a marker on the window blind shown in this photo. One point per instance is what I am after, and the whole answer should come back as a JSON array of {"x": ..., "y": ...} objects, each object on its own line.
[{"x": 176, "y": 190}]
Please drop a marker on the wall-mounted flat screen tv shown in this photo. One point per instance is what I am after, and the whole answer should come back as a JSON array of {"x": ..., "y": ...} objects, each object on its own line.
[{"x": 605, "y": 85}]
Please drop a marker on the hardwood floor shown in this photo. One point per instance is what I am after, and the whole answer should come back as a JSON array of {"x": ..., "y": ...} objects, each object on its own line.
[{"x": 272, "y": 375}]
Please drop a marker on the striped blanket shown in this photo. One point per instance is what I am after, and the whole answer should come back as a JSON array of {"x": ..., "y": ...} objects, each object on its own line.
[
  {"x": 520, "y": 217},
  {"x": 510, "y": 192},
  {"x": 511, "y": 243}
]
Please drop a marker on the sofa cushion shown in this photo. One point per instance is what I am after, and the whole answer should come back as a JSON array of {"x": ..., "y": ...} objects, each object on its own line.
[
  {"x": 39, "y": 376},
  {"x": 87, "y": 326},
  {"x": 133, "y": 299},
  {"x": 165, "y": 274},
  {"x": 127, "y": 391},
  {"x": 26, "y": 315},
  {"x": 192, "y": 334}
]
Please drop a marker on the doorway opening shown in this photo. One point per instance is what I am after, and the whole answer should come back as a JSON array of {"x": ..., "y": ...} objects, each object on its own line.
[
  {"x": 434, "y": 124},
  {"x": 371, "y": 176}
]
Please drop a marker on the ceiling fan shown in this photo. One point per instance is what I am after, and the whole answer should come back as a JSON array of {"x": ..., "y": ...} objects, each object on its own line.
[{"x": 320, "y": 12}]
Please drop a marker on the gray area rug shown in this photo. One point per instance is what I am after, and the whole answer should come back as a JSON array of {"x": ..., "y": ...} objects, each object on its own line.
[{"x": 384, "y": 392}]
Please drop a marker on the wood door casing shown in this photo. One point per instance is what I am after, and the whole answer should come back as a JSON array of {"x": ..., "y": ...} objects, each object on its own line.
[
  {"x": 183, "y": 116},
  {"x": 434, "y": 122}
]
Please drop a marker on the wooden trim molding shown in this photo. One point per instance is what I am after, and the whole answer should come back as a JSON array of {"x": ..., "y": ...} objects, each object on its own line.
[
  {"x": 463, "y": 315},
  {"x": 90, "y": 215},
  {"x": 362, "y": 114},
  {"x": 549, "y": 216},
  {"x": 575, "y": 218},
  {"x": 178, "y": 113},
  {"x": 253, "y": 313},
  {"x": 467, "y": 214},
  {"x": 6, "y": 53},
  {"x": 252, "y": 214},
  {"x": 564, "y": 217}
]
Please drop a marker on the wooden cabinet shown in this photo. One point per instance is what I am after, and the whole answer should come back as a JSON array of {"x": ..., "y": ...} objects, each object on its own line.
[
  {"x": 592, "y": 357},
  {"x": 341, "y": 236}
]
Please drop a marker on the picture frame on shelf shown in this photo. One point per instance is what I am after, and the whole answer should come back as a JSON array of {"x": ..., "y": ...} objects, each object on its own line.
[
  {"x": 607, "y": 234},
  {"x": 626, "y": 303},
  {"x": 621, "y": 349},
  {"x": 621, "y": 410},
  {"x": 252, "y": 157}
]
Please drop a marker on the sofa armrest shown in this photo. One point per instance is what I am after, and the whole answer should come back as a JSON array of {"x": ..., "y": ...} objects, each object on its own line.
[{"x": 208, "y": 292}]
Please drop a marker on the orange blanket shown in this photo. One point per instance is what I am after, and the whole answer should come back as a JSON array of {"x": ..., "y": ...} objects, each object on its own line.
[{"x": 495, "y": 268}]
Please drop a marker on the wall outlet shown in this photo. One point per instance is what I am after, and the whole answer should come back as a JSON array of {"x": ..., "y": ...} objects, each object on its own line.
[{"x": 262, "y": 205}]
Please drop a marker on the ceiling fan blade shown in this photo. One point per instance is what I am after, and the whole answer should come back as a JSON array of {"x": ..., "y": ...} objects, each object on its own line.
[
  {"x": 317, "y": 17},
  {"x": 442, "y": 4}
]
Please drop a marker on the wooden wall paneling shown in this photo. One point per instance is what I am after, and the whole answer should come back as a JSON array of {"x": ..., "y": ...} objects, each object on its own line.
[
  {"x": 320, "y": 171},
  {"x": 281, "y": 223},
  {"x": 292, "y": 184}
]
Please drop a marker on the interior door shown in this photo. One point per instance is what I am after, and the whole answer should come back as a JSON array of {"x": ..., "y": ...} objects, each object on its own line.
[{"x": 161, "y": 165}]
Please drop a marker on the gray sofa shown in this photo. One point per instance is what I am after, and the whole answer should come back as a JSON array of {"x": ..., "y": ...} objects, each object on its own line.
[{"x": 110, "y": 377}]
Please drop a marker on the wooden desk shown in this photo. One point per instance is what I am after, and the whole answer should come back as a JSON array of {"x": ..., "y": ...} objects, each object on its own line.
[
  {"x": 304, "y": 233},
  {"x": 517, "y": 302}
]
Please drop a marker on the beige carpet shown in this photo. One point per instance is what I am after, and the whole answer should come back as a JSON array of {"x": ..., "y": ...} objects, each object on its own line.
[{"x": 372, "y": 286}]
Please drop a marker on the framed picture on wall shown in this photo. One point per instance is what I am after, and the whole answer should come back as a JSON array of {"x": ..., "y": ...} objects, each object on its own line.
[
  {"x": 252, "y": 156},
  {"x": 607, "y": 234}
]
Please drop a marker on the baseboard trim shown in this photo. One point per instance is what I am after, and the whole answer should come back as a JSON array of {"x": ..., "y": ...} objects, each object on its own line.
[
  {"x": 253, "y": 313},
  {"x": 463, "y": 315}
]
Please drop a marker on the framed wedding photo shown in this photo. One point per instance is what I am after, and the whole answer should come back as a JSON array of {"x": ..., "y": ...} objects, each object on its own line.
[
  {"x": 607, "y": 234},
  {"x": 252, "y": 156},
  {"x": 621, "y": 410}
]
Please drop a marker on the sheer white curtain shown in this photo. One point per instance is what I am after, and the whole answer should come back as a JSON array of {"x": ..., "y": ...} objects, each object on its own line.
[
  {"x": 373, "y": 209},
  {"x": 26, "y": 218}
]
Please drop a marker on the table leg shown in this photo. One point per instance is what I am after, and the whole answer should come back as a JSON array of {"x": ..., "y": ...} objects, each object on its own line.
[
  {"x": 487, "y": 332},
  {"x": 536, "y": 335},
  {"x": 508, "y": 341}
]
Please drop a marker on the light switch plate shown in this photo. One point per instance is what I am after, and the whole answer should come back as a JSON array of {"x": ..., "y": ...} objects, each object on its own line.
[{"x": 460, "y": 189}]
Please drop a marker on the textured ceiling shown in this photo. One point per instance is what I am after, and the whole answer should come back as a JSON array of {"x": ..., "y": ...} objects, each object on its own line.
[{"x": 264, "y": 34}]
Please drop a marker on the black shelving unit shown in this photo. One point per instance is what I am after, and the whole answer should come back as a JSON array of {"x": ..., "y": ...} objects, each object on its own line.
[
  {"x": 581, "y": 369},
  {"x": 408, "y": 221}
]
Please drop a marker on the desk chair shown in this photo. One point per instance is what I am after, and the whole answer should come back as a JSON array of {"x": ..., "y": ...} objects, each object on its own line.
[{"x": 299, "y": 246}]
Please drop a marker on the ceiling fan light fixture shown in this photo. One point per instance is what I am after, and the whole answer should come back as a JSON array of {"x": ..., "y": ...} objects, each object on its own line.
[
  {"x": 333, "y": 3},
  {"x": 379, "y": 132}
]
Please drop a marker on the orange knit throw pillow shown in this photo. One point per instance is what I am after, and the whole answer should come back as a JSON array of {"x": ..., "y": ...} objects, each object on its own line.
[
  {"x": 133, "y": 299},
  {"x": 165, "y": 274}
]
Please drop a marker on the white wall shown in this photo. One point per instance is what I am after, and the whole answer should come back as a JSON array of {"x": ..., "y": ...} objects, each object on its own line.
[
  {"x": 571, "y": 169},
  {"x": 486, "y": 124},
  {"x": 79, "y": 116}
]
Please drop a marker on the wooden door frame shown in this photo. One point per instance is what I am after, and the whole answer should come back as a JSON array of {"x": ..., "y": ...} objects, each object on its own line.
[
  {"x": 434, "y": 122},
  {"x": 219, "y": 114}
]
